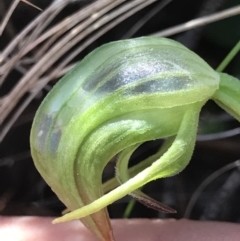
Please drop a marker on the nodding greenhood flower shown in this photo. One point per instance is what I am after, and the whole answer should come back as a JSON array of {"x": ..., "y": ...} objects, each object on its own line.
[{"x": 121, "y": 95}]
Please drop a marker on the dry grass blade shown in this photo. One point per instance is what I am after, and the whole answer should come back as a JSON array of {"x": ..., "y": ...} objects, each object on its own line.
[
  {"x": 31, "y": 4},
  {"x": 199, "y": 22},
  {"x": 70, "y": 22},
  {"x": 61, "y": 47},
  {"x": 8, "y": 15},
  {"x": 37, "y": 36},
  {"x": 145, "y": 19},
  {"x": 49, "y": 57},
  {"x": 219, "y": 135},
  {"x": 205, "y": 183},
  {"x": 40, "y": 19}
]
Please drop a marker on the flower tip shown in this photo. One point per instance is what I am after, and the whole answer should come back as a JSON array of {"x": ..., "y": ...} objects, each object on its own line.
[
  {"x": 65, "y": 218},
  {"x": 58, "y": 220},
  {"x": 55, "y": 221}
]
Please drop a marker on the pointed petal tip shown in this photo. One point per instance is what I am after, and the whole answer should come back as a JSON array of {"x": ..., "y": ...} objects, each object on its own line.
[
  {"x": 55, "y": 221},
  {"x": 61, "y": 220}
]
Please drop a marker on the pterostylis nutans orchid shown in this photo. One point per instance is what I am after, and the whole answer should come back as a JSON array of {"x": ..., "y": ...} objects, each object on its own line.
[{"x": 121, "y": 95}]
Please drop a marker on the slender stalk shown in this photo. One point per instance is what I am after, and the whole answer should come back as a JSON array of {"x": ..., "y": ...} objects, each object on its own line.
[
  {"x": 229, "y": 57},
  {"x": 199, "y": 22}
]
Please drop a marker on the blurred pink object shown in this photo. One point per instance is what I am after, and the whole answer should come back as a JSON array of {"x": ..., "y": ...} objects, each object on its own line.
[{"x": 41, "y": 229}]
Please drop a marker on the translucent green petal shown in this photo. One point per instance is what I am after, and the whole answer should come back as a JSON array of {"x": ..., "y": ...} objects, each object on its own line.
[{"x": 175, "y": 159}]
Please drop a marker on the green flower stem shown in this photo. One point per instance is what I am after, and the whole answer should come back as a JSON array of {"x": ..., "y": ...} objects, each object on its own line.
[
  {"x": 129, "y": 208},
  {"x": 229, "y": 57}
]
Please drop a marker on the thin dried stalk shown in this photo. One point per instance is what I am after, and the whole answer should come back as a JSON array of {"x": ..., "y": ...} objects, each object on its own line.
[
  {"x": 8, "y": 15},
  {"x": 23, "y": 85},
  {"x": 32, "y": 5},
  {"x": 49, "y": 13},
  {"x": 27, "y": 82},
  {"x": 205, "y": 183},
  {"x": 145, "y": 19},
  {"x": 199, "y": 22}
]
